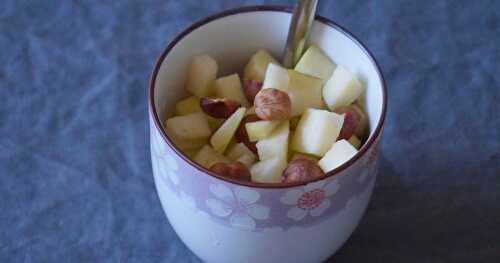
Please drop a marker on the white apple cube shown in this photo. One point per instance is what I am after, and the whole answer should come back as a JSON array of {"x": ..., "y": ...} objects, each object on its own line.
[
  {"x": 316, "y": 63},
  {"x": 230, "y": 87},
  {"x": 276, "y": 78},
  {"x": 186, "y": 144},
  {"x": 207, "y": 157},
  {"x": 260, "y": 129},
  {"x": 317, "y": 131},
  {"x": 257, "y": 66},
  {"x": 342, "y": 89},
  {"x": 268, "y": 171},
  {"x": 238, "y": 150},
  {"x": 247, "y": 160},
  {"x": 276, "y": 144},
  {"x": 340, "y": 153},
  {"x": 201, "y": 75},
  {"x": 221, "y": 138},
  {"x": 188, "y": 105},
  {"x": 190, "y": 126},
  {"x": 304, "y": 92}
]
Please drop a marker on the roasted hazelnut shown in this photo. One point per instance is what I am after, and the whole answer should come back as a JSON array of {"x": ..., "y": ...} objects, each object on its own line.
[
  {"x": 251, "y": 88},
  {"x": 241, "y": 133},
  {"x": 235, "y": 170},
  {"x": 220, "y": 108},
  {"x": 302, "y": 169},
  {"x": 272, "y": 104},
  {"x": 351, "y": 121}
]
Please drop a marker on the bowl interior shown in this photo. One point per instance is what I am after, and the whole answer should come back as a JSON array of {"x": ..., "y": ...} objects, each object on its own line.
[{"x": 232, "y": 39}]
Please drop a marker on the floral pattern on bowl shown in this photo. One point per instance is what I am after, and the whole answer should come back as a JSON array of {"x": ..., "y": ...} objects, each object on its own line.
[{"x": 259, "y": 209}]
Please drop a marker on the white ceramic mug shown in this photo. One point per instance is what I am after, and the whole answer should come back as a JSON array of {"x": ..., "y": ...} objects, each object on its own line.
[{"x": 222, "y": 220}]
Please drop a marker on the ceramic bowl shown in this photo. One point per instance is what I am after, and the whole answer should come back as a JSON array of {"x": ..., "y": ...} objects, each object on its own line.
[{"x": 222, "y": 220}]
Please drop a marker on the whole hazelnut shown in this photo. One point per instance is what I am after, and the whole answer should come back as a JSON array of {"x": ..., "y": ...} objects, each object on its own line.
[
  {"x": 251, "y": 88},
  {"x": 235, "y": 170},
  {"x": 351, "y": 121},
  {"x": 220, "y": 108},
  {"x": 241, "y": 133},
  {"x": 273, "y": 104},
  {"x": 300, "y": 170}
]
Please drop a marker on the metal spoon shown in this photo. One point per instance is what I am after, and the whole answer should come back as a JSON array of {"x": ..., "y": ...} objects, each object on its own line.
[{"x": 300, "y": 26}]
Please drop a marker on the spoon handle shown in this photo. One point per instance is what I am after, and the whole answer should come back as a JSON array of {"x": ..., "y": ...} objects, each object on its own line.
[{"x": 302, "y": 19}]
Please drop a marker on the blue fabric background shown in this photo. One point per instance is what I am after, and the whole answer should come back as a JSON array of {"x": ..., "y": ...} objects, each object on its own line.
[{"x": 75, "y": 173}]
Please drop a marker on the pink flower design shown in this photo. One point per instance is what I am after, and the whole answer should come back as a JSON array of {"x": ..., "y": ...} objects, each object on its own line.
[{"x": 311, "y": 199}]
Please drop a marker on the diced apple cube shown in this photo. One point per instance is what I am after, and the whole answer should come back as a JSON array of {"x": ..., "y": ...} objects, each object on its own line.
[
  {"x": 276, "y": 144},
  {"x": 201, "y": 75},
  {"x": 355, "y": 141},
  {"x": 257, "y": 66},
  {"x": 276, "y": 78},
  {"x": 340, "y": 153},
  {"x": 238, "y": 150},
  {"x": 230, "y": 87},
  {"x": 214, "y": 123},
  {"x": 317, "y": 131},
  {"x": 190, "y": 126},
  {"x": 260, "y": 129},
  {"x": 342, "y": 89},
  {"x": 247, "y": 160},
  {"x": 221, "y": 138},
  {"x": 268, "y": 171},
  {"x": 188, "y": 105},
  {"x": 316, "y": 63},
  {"x": 304, "y": 92},
  {"x": 186, "y": 144},
  {"x": 207, "y": 157},
  {"x": 191, "y": 153}
]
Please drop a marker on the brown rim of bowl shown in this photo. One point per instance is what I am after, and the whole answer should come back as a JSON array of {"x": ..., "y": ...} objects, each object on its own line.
[{"x": 284, "y": 9}]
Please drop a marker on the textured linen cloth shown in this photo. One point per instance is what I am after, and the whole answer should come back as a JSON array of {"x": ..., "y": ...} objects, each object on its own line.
[{"x": 75, "y": 173}]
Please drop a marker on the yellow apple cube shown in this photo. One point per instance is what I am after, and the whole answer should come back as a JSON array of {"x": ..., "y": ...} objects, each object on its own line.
[
  {"x": 276, "y": 144},
  {"x": 247, "y": 160},
  {"x": 340, "y": 153},
  {"x": 188, "y": 105},
  {"x": 207, "y": 157},
  {"x": 317, "y": 131},
  {"x": 257, "y": 66},
  {"x": 230, "y": 87},
  {"x": 268, "y": 171},
  {"x": 201, "y": 75},
  {"x": 276, "y": 78},
  {"x": 260, "y": 129},
  {"x": 186, "y": 144},
  {"x": 316, "y": 63},
  {"x": 240, "y": 152},
  {"x": 342, "y": 89},
  {"x": 304, "y": 92},
  {"x": 221, "y": 138},
  {"x": 190, "y": 126}
]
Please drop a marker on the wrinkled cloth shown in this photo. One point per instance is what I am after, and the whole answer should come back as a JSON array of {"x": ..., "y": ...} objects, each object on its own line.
[{"x": 75, "y": 174}]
